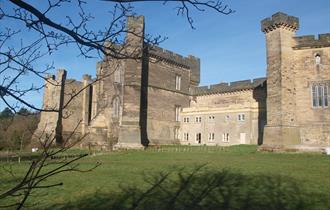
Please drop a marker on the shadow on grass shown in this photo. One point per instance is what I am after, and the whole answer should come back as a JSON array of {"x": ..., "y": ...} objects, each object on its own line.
[{"x": 201, "y": 189}]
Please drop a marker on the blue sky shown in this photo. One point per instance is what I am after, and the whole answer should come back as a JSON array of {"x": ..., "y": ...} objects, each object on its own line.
[{"x": 230, "y": 47}]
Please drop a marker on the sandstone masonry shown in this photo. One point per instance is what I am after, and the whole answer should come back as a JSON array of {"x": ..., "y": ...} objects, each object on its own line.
[{"x": 155, "y": 99}]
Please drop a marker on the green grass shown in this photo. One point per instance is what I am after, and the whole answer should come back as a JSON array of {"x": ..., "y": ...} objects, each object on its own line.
[{"x": 123, "y": 169}]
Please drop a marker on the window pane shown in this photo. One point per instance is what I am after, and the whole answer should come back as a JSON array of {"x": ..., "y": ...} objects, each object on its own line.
[
  {"x": 314, "y": 95},
  {"x": 320, "y": 95},
  {"x": 326, "y": 93},
  {"x": 318, "y": 59},
  {"x": 177, "y": 82}
]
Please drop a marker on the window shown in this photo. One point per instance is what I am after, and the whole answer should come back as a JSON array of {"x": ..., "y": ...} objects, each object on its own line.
[
  {"x": 211, "y": 118},
  {"x": 178, "y": 82},
  {"x": 186, "y": 119},
  {"x": 241, "y": 117},
  {"x": 176, "y": 133},
  {"x": 198, "y": 138},
  {"x": 177, "y": 113},
  {"x": 115, "y": 107},
  {"x": 117, "y": 76},
  {"x": 198, "y": 119},
  {"x": 320, "y": 96},
  {"x": 186, "y": 136},
  {"x": 225, "y": 137},
  {"x": 227, "y": 118},
  {"x": 211, "y": 136},
  {"x": 317, "y": 59}
]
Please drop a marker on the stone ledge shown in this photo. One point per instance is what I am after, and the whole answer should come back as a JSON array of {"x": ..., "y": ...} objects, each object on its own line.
[
  {"x": 300, "y": 148},
  {"x": 127, "y": 146}
]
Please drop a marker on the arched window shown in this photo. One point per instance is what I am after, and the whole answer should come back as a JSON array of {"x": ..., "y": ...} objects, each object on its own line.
[
  {"x": 320, "y": 96},
  {"x": 117, "y": 76},
  {"x": 317, "y": 59},
  {"x": 115, "y": 107}
]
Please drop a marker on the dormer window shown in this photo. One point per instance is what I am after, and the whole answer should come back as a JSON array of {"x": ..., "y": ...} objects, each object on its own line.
[{"x": 317, "y": 59}]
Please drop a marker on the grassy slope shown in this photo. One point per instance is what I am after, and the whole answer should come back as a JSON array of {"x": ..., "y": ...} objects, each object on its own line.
[{"x": 130, "y": 167}]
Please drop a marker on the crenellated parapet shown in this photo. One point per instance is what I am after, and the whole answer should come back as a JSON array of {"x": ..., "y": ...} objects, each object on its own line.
[
  {"x": 190, "y": 62},
  {"x": 310, "y": 41},
  {"x": 280, "y": 20},
  {"x": 228, "y": 87},
  {"x": 173, "y": 58}
]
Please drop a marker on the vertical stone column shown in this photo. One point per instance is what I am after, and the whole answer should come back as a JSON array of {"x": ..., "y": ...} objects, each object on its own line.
[
  {"x": 47, "y": 123},
  {"x": 61, "y": 77},
  {"x": 281, "y": 128},
  {"x": 86, "y": 100},
  {"x": 194, "y": 64},
  {"x": 130, "y": 131}
]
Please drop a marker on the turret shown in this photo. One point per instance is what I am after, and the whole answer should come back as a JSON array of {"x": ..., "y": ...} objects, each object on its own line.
[{"x": 281, "y": 113}]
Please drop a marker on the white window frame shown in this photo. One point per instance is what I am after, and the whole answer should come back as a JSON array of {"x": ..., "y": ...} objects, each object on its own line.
[
  {"x": 225, "y": 137},
  {"x": 320, "y": 95},
  {"x": 177, "y": 82},
  {"x": 211, "y": 118},
  {"x": 115, "y": 107},
  {"x": 176, "y": 133},
  {"x": 177, "y": 113},
  {"x": 186, "y": 136},
  {"x": 117, "y": 75},
  {"x": 198, "y": 139},
  {"x": 318, "y": 59},
  {"x": 241, "y": 117},
  {"x": 211, "y": 137},
  {"x": 198, "y": 119}
]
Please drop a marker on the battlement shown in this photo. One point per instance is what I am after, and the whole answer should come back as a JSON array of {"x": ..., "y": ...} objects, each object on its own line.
[
  {"x": 173, "y": 58},
  {"x": 279, "y": 20},
  {"x": 310, "y": 41},
  {"x": 228, "y": 87},
  {"x": 61, "y": 75},
  {"x": 87, "y": 77}
]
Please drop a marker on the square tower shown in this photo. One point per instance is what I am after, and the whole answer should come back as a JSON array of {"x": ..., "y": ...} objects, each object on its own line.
[{"x": 281, "y": 127}]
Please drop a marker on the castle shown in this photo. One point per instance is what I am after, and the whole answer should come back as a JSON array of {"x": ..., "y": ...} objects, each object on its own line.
[{"x": 156, "y": 99}]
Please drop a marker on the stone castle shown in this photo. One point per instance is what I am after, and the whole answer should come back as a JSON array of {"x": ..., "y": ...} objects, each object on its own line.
[{"x": 156, "y": 99}]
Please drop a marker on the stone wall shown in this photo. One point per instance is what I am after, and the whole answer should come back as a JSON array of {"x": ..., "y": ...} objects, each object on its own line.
[
  {"x": 292, "y": 69},
  {"x": 73, "y": 111},
  {"x": 281, "y": 125},
  {"x": 314, "y": 122},
  {"x": 48, "y": 125},
  {"x": 132, "y": 102},
  {"x": 219, "y": 114}
]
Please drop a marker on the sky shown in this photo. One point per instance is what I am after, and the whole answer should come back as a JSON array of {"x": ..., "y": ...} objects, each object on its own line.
[{"x": 231, "y": 47}]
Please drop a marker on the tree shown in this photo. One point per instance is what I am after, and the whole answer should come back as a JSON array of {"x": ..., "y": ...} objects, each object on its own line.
[
  {"x": 24, "y": 111},
  {"x": 6, "y": 113},
  {"x": 19, "y": 60}
]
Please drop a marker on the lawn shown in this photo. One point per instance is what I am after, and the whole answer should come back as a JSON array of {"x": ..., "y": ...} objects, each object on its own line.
[{"x": 237, "y": 177}]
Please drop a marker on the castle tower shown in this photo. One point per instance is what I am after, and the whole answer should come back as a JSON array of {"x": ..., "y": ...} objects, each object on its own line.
[
  {"x": 50, "y": 124},
  {"x": 281, "y": 127},
  {"x": 130, "y": 131}
]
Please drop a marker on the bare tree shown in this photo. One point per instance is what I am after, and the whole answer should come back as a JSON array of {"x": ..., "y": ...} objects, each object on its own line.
[{"x": 47, "y": 35}]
